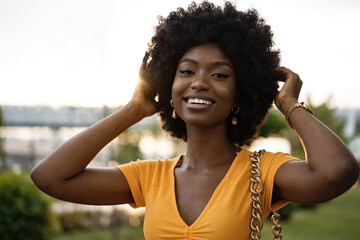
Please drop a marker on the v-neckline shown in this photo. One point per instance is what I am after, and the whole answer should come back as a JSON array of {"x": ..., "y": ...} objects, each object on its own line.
[{"x": 213, "y": 195}]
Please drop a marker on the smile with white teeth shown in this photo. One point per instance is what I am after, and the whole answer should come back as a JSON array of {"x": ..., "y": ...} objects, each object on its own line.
[{"x": 199, "y": 101}]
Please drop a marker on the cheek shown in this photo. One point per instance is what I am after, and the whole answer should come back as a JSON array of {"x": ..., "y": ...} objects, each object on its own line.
[
  {"x": 227, "y": 92},
  {"x": 228, "y": 99},
  {"x": 177, "y": 87}
]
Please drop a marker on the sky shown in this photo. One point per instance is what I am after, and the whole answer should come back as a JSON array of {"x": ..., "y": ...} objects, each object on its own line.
[{"x": 88, "y": 52}]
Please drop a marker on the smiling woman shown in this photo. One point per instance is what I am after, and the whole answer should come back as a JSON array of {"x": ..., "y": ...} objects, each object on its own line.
[
  {"x": 204, "y": 86},
  {"x": 212, "y": 74},
  {"x": 246, "y": 46}
]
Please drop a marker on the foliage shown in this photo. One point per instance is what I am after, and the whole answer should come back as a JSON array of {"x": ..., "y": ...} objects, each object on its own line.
[
  {"x": 276, "y": 125},
  {"x": 128, "y": 147},
  {"x": 88, "y": 220},
  {"x": 92, "y": 223},
  {"x": 24, "y": 210}
]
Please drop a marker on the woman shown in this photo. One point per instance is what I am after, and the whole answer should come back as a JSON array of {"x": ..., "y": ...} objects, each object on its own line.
[{"x": 213, "y": 75}]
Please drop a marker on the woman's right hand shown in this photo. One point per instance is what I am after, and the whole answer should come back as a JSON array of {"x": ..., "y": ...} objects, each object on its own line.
[
  {"x": 64, "y": 173},
  {"x": 140, "y": 102},
  {"x": 139, "y": 99}
]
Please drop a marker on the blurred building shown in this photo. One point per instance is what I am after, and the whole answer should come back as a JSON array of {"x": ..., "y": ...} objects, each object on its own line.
[{"x": 31, "y": 132}]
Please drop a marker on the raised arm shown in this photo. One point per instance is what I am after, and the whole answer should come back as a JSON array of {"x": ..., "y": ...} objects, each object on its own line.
[
  {"x": 330, "y": 168},
  {"x": 63, "y": 173}
]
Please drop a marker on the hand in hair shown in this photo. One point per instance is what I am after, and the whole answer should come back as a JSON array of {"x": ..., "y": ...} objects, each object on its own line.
[
  {"x": 289, "y": 93},
  {"x": 139, "y": 98},
  {"x": 146, "y": 106}
]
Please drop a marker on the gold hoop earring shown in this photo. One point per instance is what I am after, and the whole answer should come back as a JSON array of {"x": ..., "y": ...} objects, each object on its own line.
[
  {"x": 235, "y": 110},
  {"x": 173, "y": 115}
]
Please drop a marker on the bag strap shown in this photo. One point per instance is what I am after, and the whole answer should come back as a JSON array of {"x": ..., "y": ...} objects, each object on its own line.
[{"x": 256, "y": 188}]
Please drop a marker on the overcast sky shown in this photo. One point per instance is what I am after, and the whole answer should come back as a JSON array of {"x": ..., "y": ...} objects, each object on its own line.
[{"x": 88, "y": 52}]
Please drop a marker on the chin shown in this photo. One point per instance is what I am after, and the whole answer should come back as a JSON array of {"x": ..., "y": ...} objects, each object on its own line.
[{"x": 204, "y": 121}]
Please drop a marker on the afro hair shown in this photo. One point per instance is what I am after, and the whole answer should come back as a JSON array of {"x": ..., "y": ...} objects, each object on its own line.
[{"x": 245, "y": 39}]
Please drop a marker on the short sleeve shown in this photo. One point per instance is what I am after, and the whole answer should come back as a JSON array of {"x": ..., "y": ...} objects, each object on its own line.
[
  {"x": 132, "y": 174},
  {"x": 271, "y": 162}
]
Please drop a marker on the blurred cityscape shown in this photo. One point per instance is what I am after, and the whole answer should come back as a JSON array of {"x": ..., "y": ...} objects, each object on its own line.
[{"x": 29, "y": 133}]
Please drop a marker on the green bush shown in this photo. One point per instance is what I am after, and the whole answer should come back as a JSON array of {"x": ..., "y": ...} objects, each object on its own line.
[{"x": 24, "y": 210}]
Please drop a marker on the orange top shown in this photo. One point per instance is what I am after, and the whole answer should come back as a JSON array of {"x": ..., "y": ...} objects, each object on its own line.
[{"x": 226, "y": 215}]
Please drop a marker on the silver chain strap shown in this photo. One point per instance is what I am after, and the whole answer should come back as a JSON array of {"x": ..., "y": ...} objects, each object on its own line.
[{"x": 256, "y": 188}]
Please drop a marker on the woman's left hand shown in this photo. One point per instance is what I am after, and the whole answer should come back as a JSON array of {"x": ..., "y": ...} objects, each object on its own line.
[
  {"x": 290, "y": 91},
  {"x": 330, "y": 168}
]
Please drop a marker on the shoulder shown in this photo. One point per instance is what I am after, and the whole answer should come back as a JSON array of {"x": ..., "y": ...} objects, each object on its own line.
[
  {"x": 269, "y": 158},
  {"x": 269, "y": 161},
  {"x": 152, "y": 165},
  {"x": 277, "y": 156}
]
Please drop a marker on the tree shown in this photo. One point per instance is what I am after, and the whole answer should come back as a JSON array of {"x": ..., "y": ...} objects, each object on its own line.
[
  {"x": 276, "y": 125},
  {"x": 24, "y": 210}
]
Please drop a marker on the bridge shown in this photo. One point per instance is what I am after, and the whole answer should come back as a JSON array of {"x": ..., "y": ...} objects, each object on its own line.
[{"x": 45, "y": 116}]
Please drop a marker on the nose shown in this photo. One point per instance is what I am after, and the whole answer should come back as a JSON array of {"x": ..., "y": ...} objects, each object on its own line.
[{"x": 200, "y": 82}]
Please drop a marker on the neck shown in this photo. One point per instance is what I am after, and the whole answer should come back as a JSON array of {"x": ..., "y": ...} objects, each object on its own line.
[{"x": 208, "y": 147}]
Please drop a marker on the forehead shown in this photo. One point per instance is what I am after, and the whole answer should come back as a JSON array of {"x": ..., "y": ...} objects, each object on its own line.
[{"x": 207, "y": 51}]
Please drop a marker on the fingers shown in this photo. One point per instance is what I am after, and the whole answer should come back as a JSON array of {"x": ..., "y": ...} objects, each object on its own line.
[
  {"x": 281, "y": 73},
  {"x": 287, "y": 73},
  {"x": 291, "y": 79},
  {"x": 139, "y": 98},
  {"x": 290, "y": 91}
]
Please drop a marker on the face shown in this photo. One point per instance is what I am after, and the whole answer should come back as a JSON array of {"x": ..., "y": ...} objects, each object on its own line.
[{"x": 203, "y": 91}]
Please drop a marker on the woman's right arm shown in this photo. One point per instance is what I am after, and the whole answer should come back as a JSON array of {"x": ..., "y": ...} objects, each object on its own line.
[{"x": 63, "y": 173}]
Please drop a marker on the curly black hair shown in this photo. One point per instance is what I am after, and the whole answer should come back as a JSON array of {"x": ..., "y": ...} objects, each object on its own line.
[{"x": 245, "y": 39}]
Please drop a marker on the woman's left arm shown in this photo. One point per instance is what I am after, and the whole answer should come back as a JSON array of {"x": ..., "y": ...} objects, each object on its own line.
[{"x": 330, "y": 168}]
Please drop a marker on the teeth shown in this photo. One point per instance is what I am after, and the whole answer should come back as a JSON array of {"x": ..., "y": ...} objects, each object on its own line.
[{"x": 199, "y": 101}]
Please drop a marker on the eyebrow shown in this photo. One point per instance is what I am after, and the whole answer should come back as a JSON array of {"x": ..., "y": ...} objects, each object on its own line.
[{"x": 213, "y": 64}]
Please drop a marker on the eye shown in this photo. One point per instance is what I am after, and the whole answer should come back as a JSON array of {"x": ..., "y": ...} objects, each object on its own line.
[
  {"x": 186, "y": 72},
  {"x": 220, "y": 75}
]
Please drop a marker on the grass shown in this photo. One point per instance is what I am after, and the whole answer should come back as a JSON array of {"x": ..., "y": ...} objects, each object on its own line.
[
  {"x": 334, "y": 220},
  {"x": 338, "y": 219}
]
